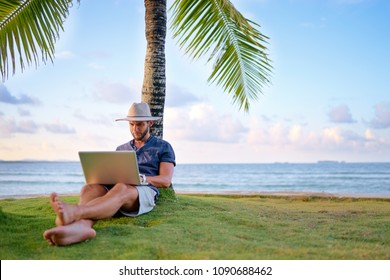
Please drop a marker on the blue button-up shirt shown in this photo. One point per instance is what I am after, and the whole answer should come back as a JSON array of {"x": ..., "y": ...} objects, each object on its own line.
[{"x": 151, "y": 154}]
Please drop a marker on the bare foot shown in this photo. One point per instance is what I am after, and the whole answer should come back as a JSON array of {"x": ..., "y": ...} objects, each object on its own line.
[
  {"x": 73, "y": 233},
  {"x": 66, "y": 213}
]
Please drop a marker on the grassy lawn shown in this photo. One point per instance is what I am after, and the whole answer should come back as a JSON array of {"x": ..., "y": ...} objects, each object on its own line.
[{"x": 205, "y": 227}]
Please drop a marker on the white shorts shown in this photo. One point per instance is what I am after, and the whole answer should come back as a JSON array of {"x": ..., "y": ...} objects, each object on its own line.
[{"x": 147, "y": 201}]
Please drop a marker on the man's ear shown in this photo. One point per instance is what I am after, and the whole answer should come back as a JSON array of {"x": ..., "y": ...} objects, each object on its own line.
[{"x": 151, "y": 123}]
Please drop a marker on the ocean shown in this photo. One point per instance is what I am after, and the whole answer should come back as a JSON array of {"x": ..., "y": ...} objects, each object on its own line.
[{"x": 29, "y": 178}]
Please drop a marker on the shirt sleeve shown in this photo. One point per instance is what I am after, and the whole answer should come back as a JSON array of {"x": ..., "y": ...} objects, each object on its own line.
[{"x": 168, "y": 155}]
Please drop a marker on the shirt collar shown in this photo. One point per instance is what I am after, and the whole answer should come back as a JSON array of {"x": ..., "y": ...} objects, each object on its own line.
[{"x": 135, "y": 147}]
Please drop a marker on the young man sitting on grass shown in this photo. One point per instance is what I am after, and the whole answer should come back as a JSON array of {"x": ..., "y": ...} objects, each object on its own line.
[{"x": 156, "y": 159}]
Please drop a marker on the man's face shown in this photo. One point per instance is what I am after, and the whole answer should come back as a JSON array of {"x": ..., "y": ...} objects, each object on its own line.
[{"x": 140, "y": 130}]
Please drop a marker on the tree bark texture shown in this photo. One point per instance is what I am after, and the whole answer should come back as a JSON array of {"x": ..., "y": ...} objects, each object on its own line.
[{"x": 154, "y": 83}]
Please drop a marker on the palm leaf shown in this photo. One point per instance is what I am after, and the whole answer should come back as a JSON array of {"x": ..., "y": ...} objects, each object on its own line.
[
  {"x": 241, "y": 65},
  {"x": 28, "y": 31}
]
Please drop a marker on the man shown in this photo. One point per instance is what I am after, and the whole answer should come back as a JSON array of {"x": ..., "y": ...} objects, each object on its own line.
[{"x": 156, "y": 159}]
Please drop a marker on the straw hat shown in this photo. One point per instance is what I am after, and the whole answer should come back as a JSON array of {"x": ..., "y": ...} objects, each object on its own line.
[{"x": 139, "y": 112}]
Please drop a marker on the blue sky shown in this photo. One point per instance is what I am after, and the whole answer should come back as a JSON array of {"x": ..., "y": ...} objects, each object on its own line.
[{"x": 329, "y": 98}]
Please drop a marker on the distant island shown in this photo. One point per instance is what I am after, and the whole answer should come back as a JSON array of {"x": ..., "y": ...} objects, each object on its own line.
[{"x": 330, "y": 161}]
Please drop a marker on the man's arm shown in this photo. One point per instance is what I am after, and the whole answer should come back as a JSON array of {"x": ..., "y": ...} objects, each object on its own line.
[{"x": 164, "y": 179}]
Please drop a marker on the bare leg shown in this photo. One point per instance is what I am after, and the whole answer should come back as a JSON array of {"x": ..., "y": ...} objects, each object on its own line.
[
  {"x": 74, "y": 233},
  {"x": 78, "y": 231},
  {"x": 74, "y": 222},
  {"x": 65, "y": 212},
  {"x": 99, "y": 208}
]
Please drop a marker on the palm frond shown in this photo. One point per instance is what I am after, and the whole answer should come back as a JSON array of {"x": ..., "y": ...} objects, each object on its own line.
[
  {"x": 28, "y": 31},
  {"x": 241, "y": 64}
]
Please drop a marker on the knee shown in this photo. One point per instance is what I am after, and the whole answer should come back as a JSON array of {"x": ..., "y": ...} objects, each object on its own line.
[
  {"x": 86, "y": 188},
  {"x": 120, "y": 187},
  {"x": 92, "y": 188},
  {"x": 124, "y": 191}
]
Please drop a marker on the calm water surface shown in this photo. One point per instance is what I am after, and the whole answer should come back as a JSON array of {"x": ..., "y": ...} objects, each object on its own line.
[{"x": 36, "y": 177}]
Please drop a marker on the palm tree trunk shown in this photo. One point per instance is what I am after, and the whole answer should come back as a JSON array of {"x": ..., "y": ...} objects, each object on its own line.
[{"x": 154, "y": 84}]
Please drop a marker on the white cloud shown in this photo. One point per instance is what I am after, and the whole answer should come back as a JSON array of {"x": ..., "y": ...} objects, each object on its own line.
[
  {"x": 296, "y": 137},
  {"x": 8, "y": 127},
  {"x": 59, "y": 128},
  {"x": 382, "y": 116},
  {"x": 278, "y": 142},
  {"x": 95, "y": 141},
  {"x": 114, "y": 92},
  {"x": 295, "y": 133},
  {"x": 24, "y": 113},
  {"x": 178, "y": 97},
  {"x": 99, "y": 119},
  {"x": 65, "y": 55},
  {"x": 201, "y": 122},
  {"x": 340, "y": 114},
  {"x": 7, "y": 97},
  {"x": 332, "y": 135},
  {"x": 369, "y": 135},
  {"x": 271, "y": 133}
]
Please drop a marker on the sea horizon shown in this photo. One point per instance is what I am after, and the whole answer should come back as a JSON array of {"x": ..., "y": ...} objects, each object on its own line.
[{"x": 19, "y": 178}]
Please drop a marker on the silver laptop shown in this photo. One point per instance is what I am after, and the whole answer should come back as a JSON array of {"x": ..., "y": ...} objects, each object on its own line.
[{"x": 109, "y": 168}]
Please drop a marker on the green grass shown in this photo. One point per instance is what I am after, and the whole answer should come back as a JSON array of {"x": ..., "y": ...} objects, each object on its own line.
[{"x": 212, "y": 227}]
